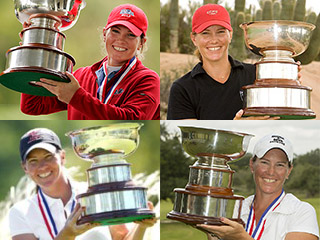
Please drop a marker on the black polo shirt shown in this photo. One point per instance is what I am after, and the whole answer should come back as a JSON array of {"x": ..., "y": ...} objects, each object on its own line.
[{"x": 197, "y": 95}]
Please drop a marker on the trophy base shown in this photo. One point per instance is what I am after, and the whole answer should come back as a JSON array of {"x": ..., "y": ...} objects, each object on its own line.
[
  {"x": 287, "y": 102},
  {"x": 282, "y": 112},
  {"x": 21, "y": 80},
  {"x": 195, "y": 219},
  {"x": 117, "y": 217}
]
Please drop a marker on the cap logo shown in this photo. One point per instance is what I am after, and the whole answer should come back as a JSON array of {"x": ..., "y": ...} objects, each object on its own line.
[
  {"x": 126, "y": 13},
  {"x": 277, "y": 139},
  {"x": 212, "y": 12},
  {"x": 33, "y": 136}
]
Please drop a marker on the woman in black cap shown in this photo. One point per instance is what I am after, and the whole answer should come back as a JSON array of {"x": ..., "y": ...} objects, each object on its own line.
[{"x": 52, "y": 213}]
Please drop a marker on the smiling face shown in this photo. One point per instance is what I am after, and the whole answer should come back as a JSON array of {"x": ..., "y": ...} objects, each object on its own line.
[
  {"x": 121, "y": 45},
  {"x": 213, "y": 43},
  {"x": 44, "y": 167},
  {"x": 271, "y": 171}
]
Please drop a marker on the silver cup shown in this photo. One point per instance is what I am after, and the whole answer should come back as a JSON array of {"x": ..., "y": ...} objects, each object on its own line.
[
  {"x": 41, "y": 54},
  {"x": 208, "y": 194},
  {"x": 112, "y": 197},
  {"x": 277, "y": 91}
]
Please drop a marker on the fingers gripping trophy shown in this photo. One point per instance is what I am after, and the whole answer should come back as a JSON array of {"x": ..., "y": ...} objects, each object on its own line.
[{"x": 41, "y": 54}]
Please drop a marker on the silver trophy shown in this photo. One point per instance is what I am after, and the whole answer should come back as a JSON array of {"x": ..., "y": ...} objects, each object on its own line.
[
  {"x": 277, "y": 91},
  {"x": 112, "y": 197},
  {"x": 208, "y": 194},
  {"x": 41, "y": 54}
]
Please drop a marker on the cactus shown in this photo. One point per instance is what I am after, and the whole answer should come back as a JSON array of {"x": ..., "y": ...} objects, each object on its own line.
[
  {"x": 276, "y": 10},
  {"x": 248, "y": 17},
  {"x": 267, "y": 10},
  {"x": 238, "y": 48},
  {"x": 287, "y": 8},
  {"x": 210, "y": 1},
  {"x": 258, "y": 16},
  {"x": 313, "y": 50},
  {"x": 174, "y": 26},
  {"x": 232, "y": 18},
  {"x": 311, "y": 18},
  {"x": 299, "y": 10},
  {"x": 239, "y": 5}
]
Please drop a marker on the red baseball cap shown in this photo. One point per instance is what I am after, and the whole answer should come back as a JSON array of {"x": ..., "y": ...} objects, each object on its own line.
[
  {"x": 130, "y": 16},
  {"x": 208, "y": 15}
]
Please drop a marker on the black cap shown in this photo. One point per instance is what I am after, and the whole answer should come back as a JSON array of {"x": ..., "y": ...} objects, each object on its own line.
[{"x": 38, "y": 138}]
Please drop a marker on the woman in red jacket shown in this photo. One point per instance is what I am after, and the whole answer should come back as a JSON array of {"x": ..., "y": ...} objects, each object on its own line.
[{"x": 117, "y": 87}]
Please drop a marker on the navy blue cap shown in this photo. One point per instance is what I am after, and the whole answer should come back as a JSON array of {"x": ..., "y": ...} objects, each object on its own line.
[{"x": 38, "y": 138}]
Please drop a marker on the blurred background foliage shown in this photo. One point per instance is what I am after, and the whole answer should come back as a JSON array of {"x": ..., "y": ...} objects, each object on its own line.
[
  {"x": 145, "y": 160},
  {"x": 83, "y": 41}
]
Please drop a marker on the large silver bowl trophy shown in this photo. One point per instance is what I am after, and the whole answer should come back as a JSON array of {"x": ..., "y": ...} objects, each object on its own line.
[
  {"x": 208, "y": 194},
  {"x": 41, "y": 54},
  {"x": 112, "y": 197},
  {"x": 277, "y": 91}
]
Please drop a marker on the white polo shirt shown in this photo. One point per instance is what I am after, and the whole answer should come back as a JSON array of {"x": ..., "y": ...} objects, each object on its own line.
[
  {"x": 292, "y": 215},
  {"x": 25, "y": 217}
]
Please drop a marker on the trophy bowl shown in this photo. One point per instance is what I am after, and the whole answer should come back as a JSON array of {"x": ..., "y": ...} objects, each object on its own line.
[
  {"x": 67, "y": 10},
  {"x": 293, "y": 36},
  {"x": 213, "y": 142},
  {"x": 99, "y": 144}
]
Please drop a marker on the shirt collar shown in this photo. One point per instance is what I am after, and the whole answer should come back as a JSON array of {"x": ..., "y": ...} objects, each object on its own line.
[
  {"x": 198, "y": 69},
  {"x": 95, "y": 67},
  {"x": 286, "y": 206}
]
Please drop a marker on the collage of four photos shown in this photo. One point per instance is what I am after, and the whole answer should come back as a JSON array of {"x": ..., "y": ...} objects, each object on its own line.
[{"x": 192, "y": 119}]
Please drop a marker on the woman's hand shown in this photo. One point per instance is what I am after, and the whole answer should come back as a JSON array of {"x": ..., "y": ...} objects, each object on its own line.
[
  {"x": 299, "y": 71},
  {"x": 64, "y": 91},
  {"x": 71, "y": 229},
  {"x": 233, "y": 230},
  {"x": 240, "y": 113},
  {"x": 145, "y": 223},
  {"x": 138, "y": 231}
]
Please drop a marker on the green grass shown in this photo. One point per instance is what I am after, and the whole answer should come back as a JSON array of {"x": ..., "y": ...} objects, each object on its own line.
[
  {"x": 166, "y": 207},
  {"x": 315, "y": 202},
  {"x": 176, "y": 230},
  {"x": 12, "y": 112},
  {"x": 180, "y": 231}
]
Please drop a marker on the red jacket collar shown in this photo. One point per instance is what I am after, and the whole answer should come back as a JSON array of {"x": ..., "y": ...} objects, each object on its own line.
[{"x": 96, "y": 66}]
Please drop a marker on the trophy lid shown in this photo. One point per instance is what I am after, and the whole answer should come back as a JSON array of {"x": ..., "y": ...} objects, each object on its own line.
[
  {"x": 293, "y": 36},
  {"x": 199, "y": 142},
  {"x": 95, "y": 142},
  {"x": 67, "y": 10}
]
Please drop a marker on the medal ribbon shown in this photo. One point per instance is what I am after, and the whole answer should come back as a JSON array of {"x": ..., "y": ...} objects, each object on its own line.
[
  {"x": 257, "y": 231},
  {"x": 132, "y": 62},
  {"x": 53, "y": 224}
]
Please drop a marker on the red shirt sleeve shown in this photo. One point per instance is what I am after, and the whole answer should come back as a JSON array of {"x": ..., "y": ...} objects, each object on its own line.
[{"x": 37, "y": 105}]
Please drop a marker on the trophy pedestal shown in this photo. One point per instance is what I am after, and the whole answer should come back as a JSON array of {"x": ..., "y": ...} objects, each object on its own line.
[{"x": 285, "y": 101}]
